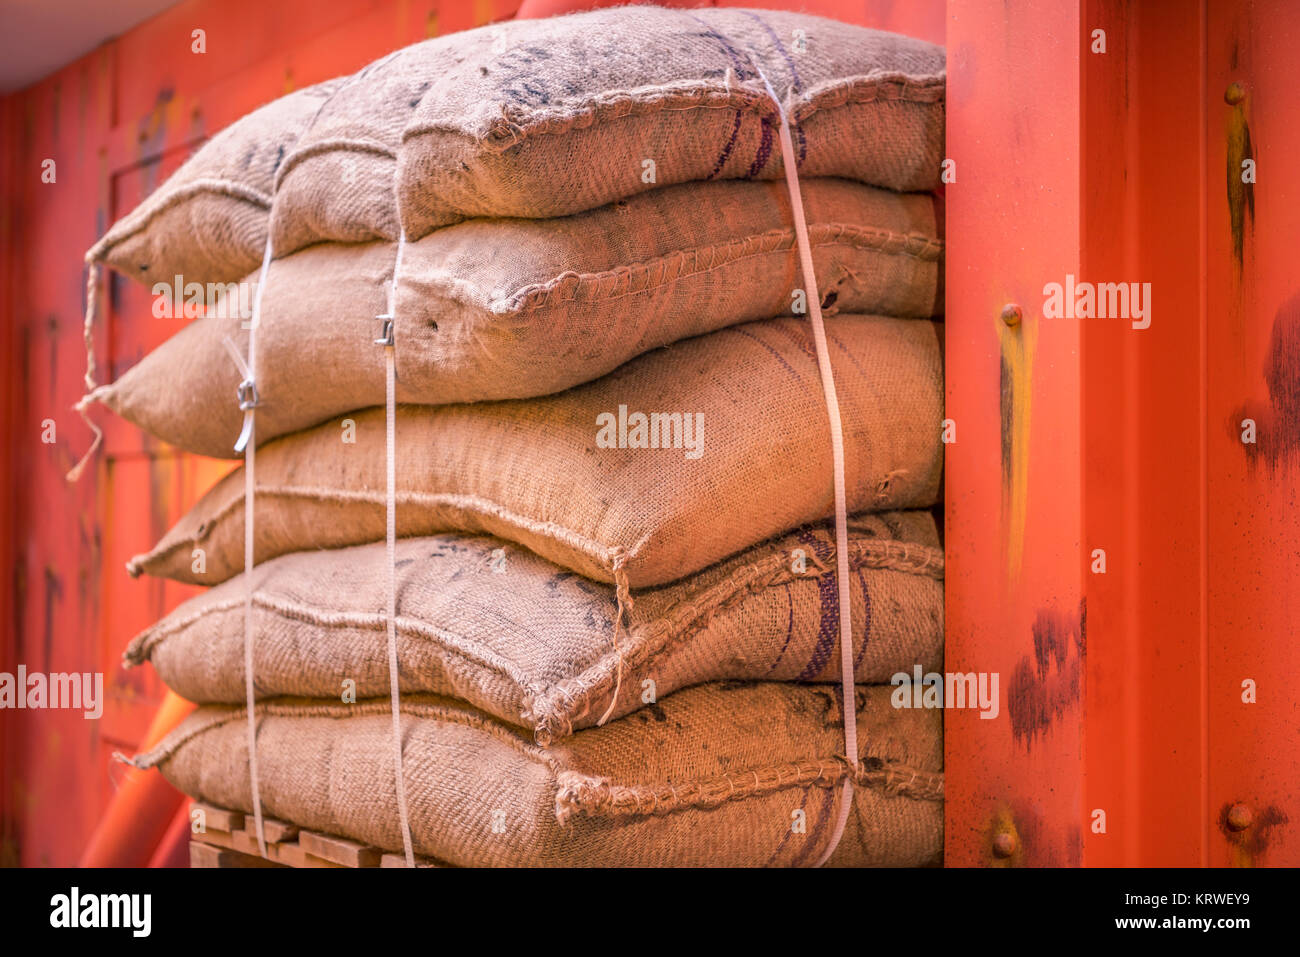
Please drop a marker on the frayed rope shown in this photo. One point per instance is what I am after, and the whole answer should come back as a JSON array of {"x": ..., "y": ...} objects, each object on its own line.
[
  {"x": 623, "y": 596},
  {"x": 93, "y": 389}
]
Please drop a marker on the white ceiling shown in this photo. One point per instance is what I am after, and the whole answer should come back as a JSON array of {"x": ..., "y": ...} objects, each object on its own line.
[{"x": 39, "y": 36}]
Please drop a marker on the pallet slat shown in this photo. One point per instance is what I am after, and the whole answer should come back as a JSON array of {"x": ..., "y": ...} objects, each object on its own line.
[
  {"x": 339, "y": 850},
  {"x": 229, "y": 841},
  {"x": 210, "y": 855}
]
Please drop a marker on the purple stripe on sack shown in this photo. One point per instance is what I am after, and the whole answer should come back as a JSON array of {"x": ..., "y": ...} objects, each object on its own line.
[
  {"x": 794, "y": 73},
  {"x": 848, "y": 354},
  {"x": 827, "y": 630},
  {"x": 726, "y": 150},
  {"x": 803, "y": 803},
  {"x": 764, "y": 149},
  {"x": 799, "y": 338},
  {"x": 739, "y": 66},
  {"x": 796, "y": 83},
  {"x": 829, "y": 626},
  {"x": 866, "y": 621},
  {"x": 811, "y": 844},
  {"x": 712, "y": 34},
  {"x": 777, "y": 355}
]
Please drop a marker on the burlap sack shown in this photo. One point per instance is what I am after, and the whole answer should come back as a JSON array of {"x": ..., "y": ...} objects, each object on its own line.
[
  {"x": 529, "y": 643},
  {"x": 755, "y": 463},
  {"x": 208, "y": 221},
  {"x": 722, "y": 774},
  {"x": 549, "y": 117},
  {"x": 502, "y": 309}
]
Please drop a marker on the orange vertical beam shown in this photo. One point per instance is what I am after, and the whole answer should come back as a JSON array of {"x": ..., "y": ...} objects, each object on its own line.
[
  {"x": 1172, "y": 738},
  {"x": 1144, "y": 436},
  {"x": 1201, "y": 590},
  {"x": 1252, "y": 113},
  {"x": 1013, "y": 480}
]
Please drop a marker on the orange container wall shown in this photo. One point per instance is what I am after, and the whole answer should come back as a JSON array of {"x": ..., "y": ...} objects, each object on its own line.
[
  {"x": 1115, "y": 550},
  {"x": 117, "y": 122},
  {"x": 1122, "y": 692}
]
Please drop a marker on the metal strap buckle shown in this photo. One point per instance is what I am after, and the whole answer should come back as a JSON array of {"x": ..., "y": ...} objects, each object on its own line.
[
  {"x": 247, "y": 394},
  {"x": 386, "y": 336}
]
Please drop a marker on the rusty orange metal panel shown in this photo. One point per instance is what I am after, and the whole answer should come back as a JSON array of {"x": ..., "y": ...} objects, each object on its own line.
[
  {"x": 1144, "y": 428},
  {"x": 1252, "y": 132},
  {"x": 1198, "y": 526},
  {"x": 1139, "y": 732},
  {"x": 1013, "y": 493}
]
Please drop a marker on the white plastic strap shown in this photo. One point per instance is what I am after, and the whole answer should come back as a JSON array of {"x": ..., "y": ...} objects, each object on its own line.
[
  {"x": 248, "y": 399},
  {"x": 837, "y": 459},
  {"x": 388, "y": 340}
]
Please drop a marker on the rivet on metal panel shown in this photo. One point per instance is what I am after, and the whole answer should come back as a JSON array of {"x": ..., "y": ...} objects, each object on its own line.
[
  {"x": 1004, "y": 844},
  {"x": 1011, "y": 314},
  {"x": 1239, "y": 817},
  {"x": 1234, "y": 94}
]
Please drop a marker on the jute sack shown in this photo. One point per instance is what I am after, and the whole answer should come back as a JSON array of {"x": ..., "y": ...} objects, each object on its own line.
[
  {"x": 502, "y": 309},
  {"x": 529, "y": 643},
  {"x": 574, "y": 478},
  {"x": 548, "y": 117},
  {"x": 711, "y": 776},
  {"x": 208, "y": 221}
]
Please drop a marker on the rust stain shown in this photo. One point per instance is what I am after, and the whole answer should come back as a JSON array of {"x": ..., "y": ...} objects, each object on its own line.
[
  {"x": 1277, "y": 424},
  {"x": 88, "y": 573},
  {"x": 150, "y": 136},
  {"x": 52, "y": 330},
  {"x": 1048, "y": 683},
  {"x": 20, "y": 602},
  {"x": 53, "y": 596},
  {"x": 1247, "y": 847},
  {"x": 1016, "y": 342},
  {"x": 1003, "y": 843},
  {"x": 1241, "y": 196},
  {"x": 1018, "y": 835}
]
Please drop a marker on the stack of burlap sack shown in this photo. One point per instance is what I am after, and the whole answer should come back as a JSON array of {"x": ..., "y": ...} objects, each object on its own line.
[{"x": 617, "y": 614}]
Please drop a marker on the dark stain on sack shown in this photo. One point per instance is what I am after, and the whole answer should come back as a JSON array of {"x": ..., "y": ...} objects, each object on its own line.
[{"x": 652, "y": 710}]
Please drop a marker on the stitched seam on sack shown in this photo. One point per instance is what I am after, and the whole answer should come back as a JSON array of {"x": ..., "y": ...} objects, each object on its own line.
[
  {"x": 342, "y": 144},
  {"x": 689, "y": 616},
  {"x": 653, "y": 274},
  {"x": 469, "y": 503},
  {"x": 298, "y": 708},
  {"x": 579, "y": 794},
  {"x": 508, "y": 131},
  {"x": 685, "y": 619},
  {"x": 449, "y": 643},
  {"x": 220, "y": 187}
]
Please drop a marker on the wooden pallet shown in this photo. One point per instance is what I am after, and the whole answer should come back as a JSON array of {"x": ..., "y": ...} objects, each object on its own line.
[{"x": 228, "y": 841}]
